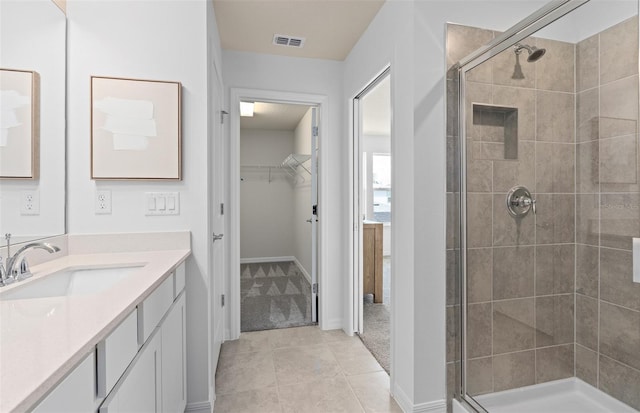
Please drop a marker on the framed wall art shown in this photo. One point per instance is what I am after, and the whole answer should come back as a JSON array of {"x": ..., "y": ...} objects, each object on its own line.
[
  {"x": 136, "y": 129},
  {"x": 19, "y": 124}
]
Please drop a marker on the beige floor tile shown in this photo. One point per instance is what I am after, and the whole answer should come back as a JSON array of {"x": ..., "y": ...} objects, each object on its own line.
[
  {"x": 319, "y": 396},
  {"x": 304, "y": 363},
  {"x": 372, "y": 389},
  {"x": 353, "y": 357},
  {"x": 245, "y": 371},
  {"x": 247, "y": 343},
  {"x": 330, "y": 336},
  {"x": 251, "y": 401},
  {"x": 298, "y": 336}
]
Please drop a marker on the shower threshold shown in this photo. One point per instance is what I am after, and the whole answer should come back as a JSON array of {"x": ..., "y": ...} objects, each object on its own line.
[{"x": 570, "y": 395}]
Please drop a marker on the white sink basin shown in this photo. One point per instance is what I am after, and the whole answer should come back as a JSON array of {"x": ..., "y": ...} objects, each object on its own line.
[{"x": 70, "y": 282}]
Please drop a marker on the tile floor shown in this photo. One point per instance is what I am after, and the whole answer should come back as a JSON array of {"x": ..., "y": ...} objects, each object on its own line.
[{"x": 300, "y": 369}]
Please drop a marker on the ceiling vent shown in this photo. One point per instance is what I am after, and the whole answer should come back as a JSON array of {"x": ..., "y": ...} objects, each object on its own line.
[{"x": 290, "y": 41}]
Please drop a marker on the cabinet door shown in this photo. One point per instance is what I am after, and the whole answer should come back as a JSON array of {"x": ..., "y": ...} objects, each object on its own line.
[
  {"x": 140, "y": 389},
  {"x": 174, "y": 397}
]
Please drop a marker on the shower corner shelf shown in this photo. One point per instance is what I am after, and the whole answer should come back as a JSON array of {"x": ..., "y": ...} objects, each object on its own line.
[{"x": 295, "y": 160}]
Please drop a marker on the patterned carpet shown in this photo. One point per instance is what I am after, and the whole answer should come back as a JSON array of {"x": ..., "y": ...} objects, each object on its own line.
[{"x": 273, "y": 295}]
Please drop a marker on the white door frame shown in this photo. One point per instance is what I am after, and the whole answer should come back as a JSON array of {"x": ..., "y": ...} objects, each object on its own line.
[{"x": 236, "y": 95}]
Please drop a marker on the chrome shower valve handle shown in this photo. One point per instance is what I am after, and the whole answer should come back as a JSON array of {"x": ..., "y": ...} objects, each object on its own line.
[{"x": 520, "y": 202}]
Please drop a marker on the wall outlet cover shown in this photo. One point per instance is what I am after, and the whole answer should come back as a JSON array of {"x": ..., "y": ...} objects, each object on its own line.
[
  {"x": 103, "y": 202},
  {"x": 30, "y": 203}
]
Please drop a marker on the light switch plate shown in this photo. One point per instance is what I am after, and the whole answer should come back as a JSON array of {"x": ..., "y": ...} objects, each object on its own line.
[
  {"x": 30, "y": 203},
  {"x": 162, "y": 203}
]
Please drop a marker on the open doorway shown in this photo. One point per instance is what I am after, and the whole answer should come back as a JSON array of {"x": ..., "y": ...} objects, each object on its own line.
[
  {"x": 277, "y": 174},
  {"x": 373, "y": 193}
]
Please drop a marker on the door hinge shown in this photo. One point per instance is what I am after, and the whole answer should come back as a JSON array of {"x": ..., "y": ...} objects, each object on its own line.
[
  {"x": 222, "y": 209},
  {"x": 314, "y": 210},
  {"x": 314, "y": 130},
  {"x": 222, "y": 113},
  {"x": 222, "y": 300},
  {"x": 315, "y": 288}
]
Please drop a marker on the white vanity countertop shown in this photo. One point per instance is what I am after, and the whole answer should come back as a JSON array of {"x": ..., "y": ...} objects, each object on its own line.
[{"x": 42, "y": 339}]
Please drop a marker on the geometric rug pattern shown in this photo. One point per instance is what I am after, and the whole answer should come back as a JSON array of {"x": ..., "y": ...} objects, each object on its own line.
[{"x": 273, "y": 295}]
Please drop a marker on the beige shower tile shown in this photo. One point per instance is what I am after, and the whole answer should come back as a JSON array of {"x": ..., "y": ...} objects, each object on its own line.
[
  {"x": 453, "y": 266},
  {"x": 587, "y": 63},
  {"x": 555, "y": 116},
  {"x": 554, "y": 269},
  {"x": 372, "y": 390},
  {"x": 619, "y": 108},
  {"x": 463, "y": 40},
  {"x": 513, "y": 370},
  {"x": 245, "y": 371},
  {"x": 619, "y": 221},
  {"x": 619, "y": 51},
  {"x": 353, "y": 357},
  {"x": 504, "y": 65},
  {"x": 479, "y": 275},
  {"x": 587, "y": 321},
  {"x": 619, "y": 160},
  {"x": 480, "y": 376},
  {"x": 588, "y": 219},
  {"x": 453, "y": 164},
  {"x": 513, "y": 325},
  {"x": 620, "y": 381},
  {"x": 555, "y": 222},
  {"x": 452, "y": 332},
  {"x": 587, "y": 167},
  {"x": 555, "y": 167},
  {"x": 620, "y": 334},
  {"x": 588, "y": 115},
  {"x": 479, "y": 213},
  {"x": 479, "y": 330},
  {"x": 587, "y": 270},
  {"x": 508, "y": 230},
  {"x": 304, "y": 363},
  {"x": 616, "y": 279},
  {"x": 319, "y": 396},
  {"x": 555, "y": 70},
  {"x": 587, "y": 365},
  {"x": 479, "y": 174},
  {"x": 554, "y": 320},
  {"x": 508, "y": 283},
  {"x": 509, "y": 173},
  {"x": 554, "y": 363},
  {"x": 524, "y": 100},
  {"x": 250, "y": 401},
  {"x": 453, "y": 103},
  {"x": 453, "y": 220},
  {"x": 475, "y": 93}
]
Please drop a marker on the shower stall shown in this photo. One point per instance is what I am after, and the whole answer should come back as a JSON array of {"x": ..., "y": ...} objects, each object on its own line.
[{"x": 543, "y": 226}]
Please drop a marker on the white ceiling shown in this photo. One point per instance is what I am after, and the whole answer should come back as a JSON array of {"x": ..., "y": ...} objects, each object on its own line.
[
  {"x": 331, "y": 27},
  {"x": 376, "y": 110},
  {"x": 274, "y": 116}
]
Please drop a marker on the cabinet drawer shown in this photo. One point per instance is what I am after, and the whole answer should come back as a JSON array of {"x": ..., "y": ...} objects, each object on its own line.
[
  {"x": 76, "y": 393},
  {"x": 116, "y": 352},
  {"x": 180, "y": 278},
  {"x": 151, "y": 310}
]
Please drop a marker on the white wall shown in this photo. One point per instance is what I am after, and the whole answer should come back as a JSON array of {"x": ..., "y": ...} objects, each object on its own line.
[
  {"x": 32, "y": 37},
  {"x": 266, "y": 208},
  {"x": 410, "y": 36},
  {"x": 165, "y": 40},
  {"x": 302, "y": 196},
  {"x": 313, "y": 76}
]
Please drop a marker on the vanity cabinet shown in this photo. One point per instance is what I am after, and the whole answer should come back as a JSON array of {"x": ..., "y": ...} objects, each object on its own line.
[{"x": 155, "y": 381}]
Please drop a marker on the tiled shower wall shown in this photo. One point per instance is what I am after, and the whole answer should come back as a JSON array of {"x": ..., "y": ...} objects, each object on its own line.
[
  {"x": 608, "y": 212},
  {"x": 554, "y": 288}
]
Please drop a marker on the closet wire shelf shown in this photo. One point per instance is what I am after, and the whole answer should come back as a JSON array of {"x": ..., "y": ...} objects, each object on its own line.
[{"x": 291, "y": 166}]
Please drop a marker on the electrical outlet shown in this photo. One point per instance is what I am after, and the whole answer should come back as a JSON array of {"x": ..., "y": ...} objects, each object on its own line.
[
  {"x": 30, "y": 203},
  {"x": 103, "y": 202}
]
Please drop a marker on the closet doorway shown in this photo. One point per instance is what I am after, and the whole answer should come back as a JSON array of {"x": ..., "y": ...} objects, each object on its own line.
[
  {"x": 278, "y": 147},
  {"x": 372, "y": 209}
]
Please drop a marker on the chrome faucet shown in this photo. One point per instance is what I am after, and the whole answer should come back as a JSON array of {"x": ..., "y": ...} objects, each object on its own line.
[{"x": 17, "y": 266}]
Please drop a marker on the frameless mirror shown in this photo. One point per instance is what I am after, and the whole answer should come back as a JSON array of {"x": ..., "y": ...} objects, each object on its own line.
[{"x": 32, "y": 125}]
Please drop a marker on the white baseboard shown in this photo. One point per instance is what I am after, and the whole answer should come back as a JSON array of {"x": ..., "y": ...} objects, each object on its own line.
[
  {"x": 335, "y": 324},
  {"x": 199, "y": 407},
  {"x": 302, "y": 270},
  {"x": 407, "y": 406},
  {"x": 259, "y": 260}
]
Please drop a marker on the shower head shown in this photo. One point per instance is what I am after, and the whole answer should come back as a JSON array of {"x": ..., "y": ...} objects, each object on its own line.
[{"x": 534, "y": 53}]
